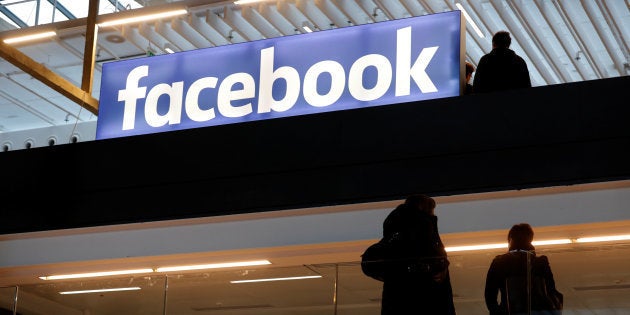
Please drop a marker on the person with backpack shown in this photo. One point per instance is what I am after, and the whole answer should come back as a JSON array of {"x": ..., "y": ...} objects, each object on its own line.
[{"x": 523, "y": 280}]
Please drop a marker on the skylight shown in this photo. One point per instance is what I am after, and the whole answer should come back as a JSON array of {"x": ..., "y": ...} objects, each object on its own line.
[{"x": 26, "y": 13}]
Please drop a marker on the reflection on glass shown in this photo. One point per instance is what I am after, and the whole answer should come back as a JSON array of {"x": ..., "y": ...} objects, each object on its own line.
[
  {"x": 215, "y": 292},
  {"x": 7, "y": 299},
  {"x": 594, "y": 278},
  {"x": 94, "y": 297}
]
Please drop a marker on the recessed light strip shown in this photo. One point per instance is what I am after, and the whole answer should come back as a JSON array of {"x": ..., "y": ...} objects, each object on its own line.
[
  {"x": 29, "y": 37},
  {"x": 475, "y": 247},
  {"x": 214, "y": 266},
  {"x": 239, "y": 2},
  {"x": 143, "y": 18},
  {"x": 162, "y": 269},
  {"x": 97, "y": 274},
  {"x": 603, "y": 238},
  {"x": 100, "y": 290},
  {"x": 275, "y": 279},
  {"x": 560, "y": 241}
]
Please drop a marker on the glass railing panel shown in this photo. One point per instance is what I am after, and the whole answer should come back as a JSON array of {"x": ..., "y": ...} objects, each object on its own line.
[
  {"x": 357, "y": 294},
  {"x": 257, "y": 291},
  {"x": 142, "y": 295},
  {"x": 7, "y": 300},
  {"x": 594, "y": 279}
]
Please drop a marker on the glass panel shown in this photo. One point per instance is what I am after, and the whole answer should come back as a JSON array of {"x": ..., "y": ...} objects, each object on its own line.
[
  {"x": 357, "y": 294},
  {"x": 594, "y": 279},
  {"x": 7, "y": 300},
  {"x": 145, "y": 295},
  {"x": 217, "y": 292},
  {"x": 80, "y": 8},
  {"x": 27, "y": 12}
]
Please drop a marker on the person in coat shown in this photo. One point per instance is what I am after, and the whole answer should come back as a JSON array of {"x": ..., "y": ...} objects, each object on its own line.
[
  {"x": 518, "y": 276},
  {"x": 417, "y": 279},
  {"x": 501, "y": 68}
]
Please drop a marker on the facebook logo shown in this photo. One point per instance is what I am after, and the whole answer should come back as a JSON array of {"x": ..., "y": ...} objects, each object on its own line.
[{"x": 361, "y": 66}]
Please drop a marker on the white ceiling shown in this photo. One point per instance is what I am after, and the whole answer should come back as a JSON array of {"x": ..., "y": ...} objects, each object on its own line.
[{"x": 561, "y": 40}]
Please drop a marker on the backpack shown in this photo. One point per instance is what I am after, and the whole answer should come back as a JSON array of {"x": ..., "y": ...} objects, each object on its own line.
[{"x": 374, "y": 259}]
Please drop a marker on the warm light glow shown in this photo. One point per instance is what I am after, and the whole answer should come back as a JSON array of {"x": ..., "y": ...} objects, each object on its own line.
[
  {"x": 475, "y": 247},
  {"x": 239, "y": 2},
  {"x": 97, "y": 274},
  {"x": 100, "y": 290},
  {"x": 470, "y": 20},
  {"x": 603, "y": 238},
  {"x": 143, "y": 18},
  {"x": 559, "y": 241},
  {"x": 552, "y": 242},
  {"x": 214, "y": 266},
  {"x": 275, "y": 279},
  {"x": 29, "y": 37}
]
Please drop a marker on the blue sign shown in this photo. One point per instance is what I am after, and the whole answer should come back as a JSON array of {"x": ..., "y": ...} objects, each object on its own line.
[{"x": 375, "y": 64}]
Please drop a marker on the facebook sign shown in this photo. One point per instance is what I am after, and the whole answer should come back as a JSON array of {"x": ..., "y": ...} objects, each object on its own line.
[{"x": 375, "y": 64}]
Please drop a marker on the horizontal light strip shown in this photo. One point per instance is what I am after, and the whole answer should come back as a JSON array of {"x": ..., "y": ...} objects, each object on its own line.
[
  {"x": 143, "y": 18},
  {"x": 475, "y": 247},
  {"x": 560, "y": 241},
  {"x": 470, "y": 20},
  {"x": 275, "y": 279},
  {"x": 246, "y": 1},
  {"x": 101, "y": 290},
  {"x": 552, "y": 242},
  {"x": 97, "y": 274},
  {"x": 214, "y": 266},
  {"x": 603, "y": 238},
  {"x": 29, "y": 37}
]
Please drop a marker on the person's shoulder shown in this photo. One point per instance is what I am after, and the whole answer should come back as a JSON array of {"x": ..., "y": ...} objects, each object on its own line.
[
  {"x": 542, "y": 259},
  {"x": 501, "y": 257}
]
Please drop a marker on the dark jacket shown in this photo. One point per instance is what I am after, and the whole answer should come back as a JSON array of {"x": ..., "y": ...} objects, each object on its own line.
[
  {"x": 409, "y": 286},
  {"x": 507, "y": 276},
  {"x": 501, "y": 69}
]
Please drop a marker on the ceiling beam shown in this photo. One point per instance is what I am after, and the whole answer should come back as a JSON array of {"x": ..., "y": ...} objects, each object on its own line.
[
  {"x": 48, "y": 77},
  {"x": 89, "y": 54}
]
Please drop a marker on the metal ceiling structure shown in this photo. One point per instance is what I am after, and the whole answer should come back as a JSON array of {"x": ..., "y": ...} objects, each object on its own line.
[{"x": 561, "y": 40}]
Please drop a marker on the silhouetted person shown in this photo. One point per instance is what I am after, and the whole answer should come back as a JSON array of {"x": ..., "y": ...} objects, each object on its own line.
[
  {"x": 417, "y": 281},
  {"x": 501, "y": 68},
  {"x": 518, "y": 276},
  {"x": 469, "y": 71}
]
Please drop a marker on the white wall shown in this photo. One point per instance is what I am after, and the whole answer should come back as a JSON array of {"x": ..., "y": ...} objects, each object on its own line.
[{"x": 313, "y": 226}]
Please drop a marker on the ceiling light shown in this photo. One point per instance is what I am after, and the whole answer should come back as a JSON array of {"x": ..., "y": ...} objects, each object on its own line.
[
  {"x": 143, "y": 18},
  {"x": 214, "y": 266},
  {"x": 470, "y": 20},
  {"x": 29, "y": 37},
  {"x": 603, "y": 238},
  {"x": 169, "y": 48},
  {"x": 100, "y": 290},
  {"x": 239, "y": 2},
  {"x": 475, "y": 247},
  {"x": 552, "y": 242},
  {"x": 97, "y": 274},
  {"x": 275, "y": 279},
  {"x": 306, "y": 26}
]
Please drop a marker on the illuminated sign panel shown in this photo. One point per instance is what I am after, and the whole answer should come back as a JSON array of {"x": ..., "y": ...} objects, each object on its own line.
[{"x": 375, "y": 64}]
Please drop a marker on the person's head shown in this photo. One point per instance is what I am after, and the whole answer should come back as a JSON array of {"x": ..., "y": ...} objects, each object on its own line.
[
  {"x": 469, "y": 70},
  {"x": 501, "y": 39},
  {"x": 521, "y": 236},
  {"x": 421, "y": 202}
]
